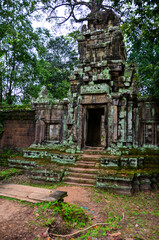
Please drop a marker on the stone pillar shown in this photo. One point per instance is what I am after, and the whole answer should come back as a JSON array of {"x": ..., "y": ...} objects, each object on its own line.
[
  {"x": 39, "y": 131},
  {"x": 115, "y": 121},
  {"x": 110, "y": 125},
  {"x": 122, "y": 124},
  {"x": 80, "y": 132},
  {"x": 130, "y": 122},
  {"x": 136, "y": 141}
]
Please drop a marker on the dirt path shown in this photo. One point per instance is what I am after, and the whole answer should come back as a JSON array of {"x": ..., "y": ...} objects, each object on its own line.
[
  {"x": 81, "y": 197},
  {"x": 139, "y": 213},
  {"x": 15, "y": 218}
]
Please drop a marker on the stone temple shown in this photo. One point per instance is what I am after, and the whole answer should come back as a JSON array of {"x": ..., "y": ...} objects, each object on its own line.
[
  {"x": 102, "y": 110},
  {"x": 102, "y": 134}
]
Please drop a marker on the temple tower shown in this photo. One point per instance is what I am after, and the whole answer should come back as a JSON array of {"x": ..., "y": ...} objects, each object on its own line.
[{"x": 102, "y": 86}]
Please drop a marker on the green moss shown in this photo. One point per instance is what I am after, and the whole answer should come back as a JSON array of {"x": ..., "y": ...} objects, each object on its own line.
[
  {"x": 127, "y": 173},
  {"x": 15, "y": 107},
  {"x": 10, "y": 172},
  {"x": 106, "y": 74},
  {"x": 56, "y": 148},
  {"x": 140, "y": 151},
  {"x": 5, "y": 154}
]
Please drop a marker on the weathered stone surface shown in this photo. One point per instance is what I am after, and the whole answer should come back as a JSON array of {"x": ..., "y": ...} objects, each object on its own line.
[
  {"x": 108, "y": 162},
  {"x": 31, "y": 194},
  {"x": 63, "y": 159},
  {"x": 94, "y": 89},
  {"x": 18, "y": 129}
]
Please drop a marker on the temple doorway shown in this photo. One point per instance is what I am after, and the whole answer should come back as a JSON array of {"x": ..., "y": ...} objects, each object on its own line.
[{"x": 95, "y": 118}]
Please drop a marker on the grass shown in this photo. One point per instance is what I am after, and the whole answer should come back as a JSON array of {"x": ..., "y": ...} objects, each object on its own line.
[
  {"x": 134, "y": 217},
  {"x": 130, "y": 217},
  {"x": 5, "y": 174},
  {"x": 60, "y": 217},
  {"x": 5, "y": 154}
]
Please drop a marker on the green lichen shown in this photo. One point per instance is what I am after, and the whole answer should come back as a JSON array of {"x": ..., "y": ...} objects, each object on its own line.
[
  {"x": 140, "y": 151},
  {"x": 96, "y": 88},
  {"x": 106, "y": 74}
]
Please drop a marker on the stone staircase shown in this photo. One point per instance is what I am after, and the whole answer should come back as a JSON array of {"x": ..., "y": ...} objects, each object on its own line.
[
  {"x": 84, "y": 172},
  {"x": 121, "y": 174},
  {"x": 38, "y": 173}
]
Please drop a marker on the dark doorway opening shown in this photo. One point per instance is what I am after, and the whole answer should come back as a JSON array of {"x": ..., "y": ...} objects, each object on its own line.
[{"x": 94, "y": 127}]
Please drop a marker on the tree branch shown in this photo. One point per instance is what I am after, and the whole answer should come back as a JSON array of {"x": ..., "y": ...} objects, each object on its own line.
[{"x": 94, "y": 6}]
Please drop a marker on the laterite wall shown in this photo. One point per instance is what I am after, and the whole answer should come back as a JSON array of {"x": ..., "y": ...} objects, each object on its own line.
[{"x": 18, "y": 129}]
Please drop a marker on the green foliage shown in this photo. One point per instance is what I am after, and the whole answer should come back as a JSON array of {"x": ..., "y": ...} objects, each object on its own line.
[
  {"x": 147, "y": 56},
  {"x": 123, "y": 212},
  {"x": 97, "y": 232},
  {"x": 7, "y": 107},
  {"x": 61, "y": 58},
  {"x": 61, "y": 90},
  {"x": 72, "y": 215},
  {"x": 10, "y": 172},
  {"x": 141, "y": 28},
  {"x": 21, "y": 47},
  {"x": 5, "y": 154}
]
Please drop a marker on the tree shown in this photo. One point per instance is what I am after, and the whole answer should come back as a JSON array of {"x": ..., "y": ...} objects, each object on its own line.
[
  {"x": 140, "y": 18},
  {"x": 147, "y": 57},
  {"x": 76, "y": 10},
  {"x": 141, "y": 28},
  {"x": 31, "y": 59},
  {"x": 62, "y": 58},
  {"x": 20, "y": 47}
]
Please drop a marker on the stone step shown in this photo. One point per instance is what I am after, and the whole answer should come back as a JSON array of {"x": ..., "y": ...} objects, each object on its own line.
[
  {"x": 83, "y": 170},
  {"x": 90, "y": 158},
  {"x": 94, "y": 151},
  {"x": 87, "y": 162},
  {"x": 81, "y": 175},
  {"x": 118, "y": 184},
  {"x": 83, "y": 165},
  {"x": 22, "y": 164},
  {"x": 79, "y": 180},
  {"x": 79, "y": 184}
]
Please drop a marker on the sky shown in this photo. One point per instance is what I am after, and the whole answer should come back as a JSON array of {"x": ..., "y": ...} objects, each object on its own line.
[{"x": 63, "y": 30}]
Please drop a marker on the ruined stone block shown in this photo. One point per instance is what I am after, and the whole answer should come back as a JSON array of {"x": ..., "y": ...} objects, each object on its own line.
[
  {"x": 107, "y": 162},
  {"x": 124, "y": 162},
  {"x": 133, "y": 162}
]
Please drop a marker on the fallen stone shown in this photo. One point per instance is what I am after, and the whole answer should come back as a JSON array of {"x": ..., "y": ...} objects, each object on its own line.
[{"x": 31, "y": 194}]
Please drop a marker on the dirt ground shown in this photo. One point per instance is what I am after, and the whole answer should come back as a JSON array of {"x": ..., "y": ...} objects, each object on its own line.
[
  {"x": 15, "y": 221},
  {"x": 81, "y": 197},
  {"x": 18, "y": 221}
]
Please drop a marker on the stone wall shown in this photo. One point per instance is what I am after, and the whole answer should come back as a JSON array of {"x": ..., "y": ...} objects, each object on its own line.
[
  {"x": 18, "y": 129},
  {"x": 50, "y": 122},
  {"x": 148, "y": 123}
]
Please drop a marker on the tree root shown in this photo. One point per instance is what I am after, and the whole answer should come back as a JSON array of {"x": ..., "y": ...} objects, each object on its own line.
[{"x": 72, "y": 234}]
